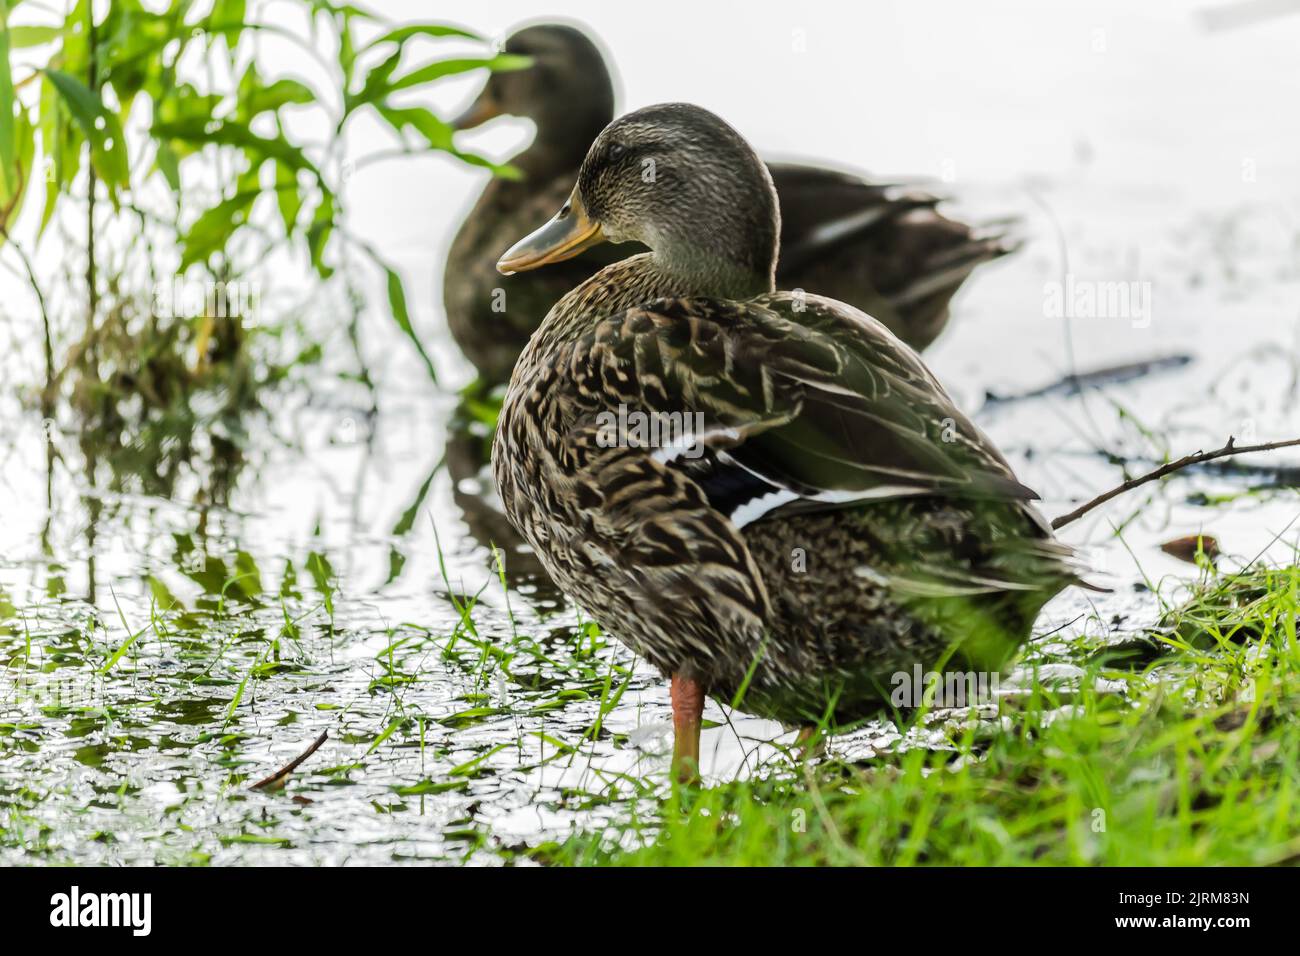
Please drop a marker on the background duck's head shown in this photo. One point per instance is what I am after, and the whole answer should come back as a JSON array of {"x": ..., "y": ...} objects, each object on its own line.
[
  {"x": 567, "y": 92},
  {"x": 678, "y": 179}
]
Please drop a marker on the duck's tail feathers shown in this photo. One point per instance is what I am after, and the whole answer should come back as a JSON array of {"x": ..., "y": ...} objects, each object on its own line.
[
  {"x": 950, "y": 267},
  {"x": 1006, "y": 232}
]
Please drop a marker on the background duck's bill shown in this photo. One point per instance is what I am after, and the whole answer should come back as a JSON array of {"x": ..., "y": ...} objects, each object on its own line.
[
  {"x": 565, "y": 236},
  {"x": 484, "y": 108}
]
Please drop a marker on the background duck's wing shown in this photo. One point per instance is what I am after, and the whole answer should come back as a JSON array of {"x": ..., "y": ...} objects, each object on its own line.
[
  {"x": 792, "y": 402},
  {"x": 883, "y": 248},
  {"x": 823, "y": 208}
]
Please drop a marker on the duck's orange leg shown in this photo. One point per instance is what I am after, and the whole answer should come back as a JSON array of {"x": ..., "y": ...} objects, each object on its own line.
[
  {"x": 810, "y": 744},
  {"x": 688, "y": 710}
]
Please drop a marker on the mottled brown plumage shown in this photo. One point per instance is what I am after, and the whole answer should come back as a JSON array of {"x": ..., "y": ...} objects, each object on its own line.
[
  {"x": 830, "y": 519},
  {"x": 884, "y": 249}
]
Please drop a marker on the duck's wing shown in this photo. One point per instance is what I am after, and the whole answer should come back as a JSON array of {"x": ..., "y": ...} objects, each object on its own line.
[{"x": 784, "y": 402}]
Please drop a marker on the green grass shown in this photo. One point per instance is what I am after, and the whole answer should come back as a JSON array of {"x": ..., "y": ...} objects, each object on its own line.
[{"x": 1193, "y": 759}]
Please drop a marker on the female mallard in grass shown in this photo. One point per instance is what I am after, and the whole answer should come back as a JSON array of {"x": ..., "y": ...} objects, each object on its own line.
[
  {"x": 765, "y": 494},
  {"x": 883, "y": 249}
]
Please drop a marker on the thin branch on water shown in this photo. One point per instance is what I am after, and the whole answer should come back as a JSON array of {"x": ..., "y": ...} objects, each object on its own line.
[
  {"x": 1231, "y": 448},
  {"x": 280, "y": 775},
  {"x": 1283, "y": 473}
]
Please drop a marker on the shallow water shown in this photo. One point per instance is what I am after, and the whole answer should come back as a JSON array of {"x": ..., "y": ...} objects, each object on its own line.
[
  {"x": 163, "y": 651},
  {"x": 462, "y": 735}
]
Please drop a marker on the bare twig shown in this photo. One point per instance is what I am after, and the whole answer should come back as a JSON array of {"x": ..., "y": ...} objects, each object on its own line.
[
  {"x": 280, "y": 775},
  {"x": 1231, "y": 448}
]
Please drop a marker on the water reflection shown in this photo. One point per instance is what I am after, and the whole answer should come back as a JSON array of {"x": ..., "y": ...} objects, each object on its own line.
[{"x": 468, "y": 461}]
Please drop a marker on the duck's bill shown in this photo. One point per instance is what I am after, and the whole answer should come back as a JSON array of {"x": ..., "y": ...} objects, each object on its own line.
[
  {"x": 565, "y": 236},
  {"x": 484, "y": 108}
]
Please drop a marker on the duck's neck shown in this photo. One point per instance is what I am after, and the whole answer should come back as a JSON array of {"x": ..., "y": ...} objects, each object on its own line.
[
  {"x": 733, "y": 259},
  {"x": 633, "y": 282},
  {"x": 563, "y": 138},
  {"x": 615, "y": 288},
  {"x": 728, "y": 249},
  {"x": 719, "y": 273}
]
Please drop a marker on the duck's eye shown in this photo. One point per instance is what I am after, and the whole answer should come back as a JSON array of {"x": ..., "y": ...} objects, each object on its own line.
[{"x": 617, "y": 150}]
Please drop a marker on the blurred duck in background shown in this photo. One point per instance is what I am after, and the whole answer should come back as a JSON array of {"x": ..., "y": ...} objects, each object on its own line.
[{"x": 884, "y": 249}]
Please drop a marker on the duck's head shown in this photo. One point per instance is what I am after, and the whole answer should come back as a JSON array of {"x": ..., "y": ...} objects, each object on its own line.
[
  {"x": 567, "y": 91},
  {"x": 679, "y": 180}
]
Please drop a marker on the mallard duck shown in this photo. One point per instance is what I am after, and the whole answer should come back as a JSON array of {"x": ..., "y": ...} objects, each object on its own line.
[
  {"x": 820, "y": 517},
  {"x": 885, "y": 249}
]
